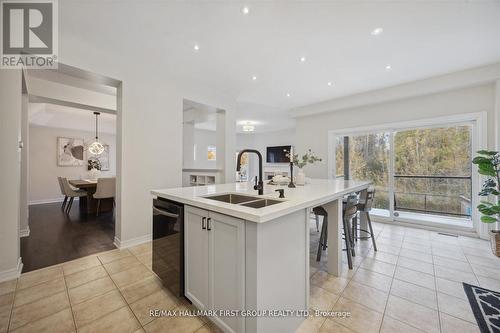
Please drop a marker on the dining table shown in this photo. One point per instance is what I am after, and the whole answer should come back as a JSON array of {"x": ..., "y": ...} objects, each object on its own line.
[{"x": 88, "y": 204}]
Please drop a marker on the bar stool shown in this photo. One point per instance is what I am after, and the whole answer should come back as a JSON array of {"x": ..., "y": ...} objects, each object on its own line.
[
  {"x": 349, "y": 211},
  {"x": 364, "y": 207}
]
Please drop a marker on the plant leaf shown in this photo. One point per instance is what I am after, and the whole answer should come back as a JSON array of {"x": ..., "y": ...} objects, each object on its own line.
[{"x": 488, "y": 219}]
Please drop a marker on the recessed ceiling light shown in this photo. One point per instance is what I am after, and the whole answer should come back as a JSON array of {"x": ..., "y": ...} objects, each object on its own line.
[
  {"x": 388, "y": 67},
  {"x": 288, "y": 95},
  {"x": 196, "y": 47},
  {"x": 377, "y": 31},
  {"x": 302, "y": 59},
  {"x": 254, "y": 78},
  {"x": 245, "y": 10},
  {"x": 329, "y": 84}
]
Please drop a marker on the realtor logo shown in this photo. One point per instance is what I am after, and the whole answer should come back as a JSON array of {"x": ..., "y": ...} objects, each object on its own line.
[{"x": 28, "y": 34}]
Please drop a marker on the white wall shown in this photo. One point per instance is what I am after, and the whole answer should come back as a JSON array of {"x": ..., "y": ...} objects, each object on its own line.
[
  {"x": 312, "y": 131},
  {"x": 201, "y": 139},
  {"x": 10, "y": 172},
  {"x": 43, "y": 168},
  {"x": 260, "y": 141}
]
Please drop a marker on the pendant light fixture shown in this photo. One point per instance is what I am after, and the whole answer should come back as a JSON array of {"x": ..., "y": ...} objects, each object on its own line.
[{"x": 96, "y": 147}]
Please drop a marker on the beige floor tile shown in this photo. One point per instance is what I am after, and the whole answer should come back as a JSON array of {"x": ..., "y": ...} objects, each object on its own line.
[
  {"x": 413, "y": 314},
  {"x": 46, "y": 289},
  {"x": 91, "y": 310},
  {"x": 390, "y": 249},
  {"x": 373, "y": 279},
  {"x": 122, "y": 264},
  {"x": 312, "y": 270},
  {"x": 4, "y": 317},
  {"x": 492, "y": 284},
  {"x": 119, "y": 321},
  {"x": 414, "y": 293},
  {"x": 78, "y": 265},
  {"x": 416, "y": 265},
  {"x": 418, "y": 278},
  {"x": 455, "y": 275},
  {"x": 113, "y": 255},
  {"x": 7, "y": 299},
  {"x": 452, "y": 288},
  {"x": 452, "y": 263},
  {"x": 39, "y": 309},
  {"x": 488, "y": 261},
  {"x": 362, "y": 319},
  {"x": 489, "y": 272},
  {"x": 91, "y": 289},
  {"x": 378, "y": 266},
  {"x": 207, "y": 328},
  {"x": 177, "y": 324},
  {"x": 456, "y": 307},
  {"x": 82, "y": 277},
  {"x": 158, "y": 300},
  {"x": 451, "y": 254},
  {"x": 412, "y": 245},
  {"x": 321, "y": 299},
  {"x": 391, "y": 325},
  {"x": 131, "y": 276},
  {"x": 141, "y": 289},
  {"x": 451, "y": 324},
  {"x": 7, "y": 286},
  {"x": 311, "y": 325},
  {"x": 367, "y": 296},
  {"x": 383, "y": 256},
  {"x": 146, "y": 259},
  {"x": 39, "y": 276},
  {"x": 60, "y": 322},
  {"x": 329, "y": 282},
  {"x": 412, "y": 254},
  {"x": 141, "y": 248},
  {"x": 329, "y": 326}
]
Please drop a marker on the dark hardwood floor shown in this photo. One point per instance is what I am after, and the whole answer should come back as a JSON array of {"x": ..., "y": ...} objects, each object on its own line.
[{"x": 56, "y": 237}]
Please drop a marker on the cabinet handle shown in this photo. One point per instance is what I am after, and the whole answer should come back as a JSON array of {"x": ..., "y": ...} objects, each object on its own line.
[
  {"x": 203, "y": 219},
  {"x": 208, "y": 224}
]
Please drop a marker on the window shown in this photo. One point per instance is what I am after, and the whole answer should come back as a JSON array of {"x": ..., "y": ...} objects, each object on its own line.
[
  {"x": 211, "y": 153},
  {"x": 420, "y": 171}
]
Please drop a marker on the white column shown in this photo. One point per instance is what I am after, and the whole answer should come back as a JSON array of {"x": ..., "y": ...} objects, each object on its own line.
[
  {"x": 334, "y": 210},
  {"x": 24, "y": 210}
]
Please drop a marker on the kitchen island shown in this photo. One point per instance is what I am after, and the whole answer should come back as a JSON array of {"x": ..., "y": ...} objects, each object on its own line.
[{"x": 247, "y": 254}]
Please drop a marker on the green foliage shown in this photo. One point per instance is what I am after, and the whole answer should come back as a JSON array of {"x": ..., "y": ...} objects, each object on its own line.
[
  {"x": 488, "y": 163},
  {"x": 308, "y": 158}
]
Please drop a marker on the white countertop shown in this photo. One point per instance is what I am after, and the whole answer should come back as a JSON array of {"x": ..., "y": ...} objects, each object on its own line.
[{"x": 315, "y": 193}]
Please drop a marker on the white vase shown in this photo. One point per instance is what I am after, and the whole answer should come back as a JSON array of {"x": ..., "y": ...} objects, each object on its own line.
[
  {"x": 300, "y": 179},
  {"x": 94, "y": 174}
]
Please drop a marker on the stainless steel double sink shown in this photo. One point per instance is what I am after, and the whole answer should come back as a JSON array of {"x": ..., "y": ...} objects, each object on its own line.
[{"x": 244, "y": 200}]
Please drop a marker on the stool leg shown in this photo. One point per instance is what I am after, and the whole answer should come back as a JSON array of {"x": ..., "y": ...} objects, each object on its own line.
[
  {"x": 371, "y": 231},
  {"x": 317, "y": 223},
  {"x": 348, "y": 243},
  {"x": 322, "y": 240},
  {"x": 354, "y": 228}
]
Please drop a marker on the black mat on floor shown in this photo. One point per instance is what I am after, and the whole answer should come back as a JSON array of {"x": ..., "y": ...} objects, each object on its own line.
[{"x": 485, "y": 304}]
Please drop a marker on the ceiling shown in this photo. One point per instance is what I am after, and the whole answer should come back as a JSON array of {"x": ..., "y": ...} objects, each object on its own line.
[
  {"x": 57, "y": 116},
  {"x": 420, "y": 39}
]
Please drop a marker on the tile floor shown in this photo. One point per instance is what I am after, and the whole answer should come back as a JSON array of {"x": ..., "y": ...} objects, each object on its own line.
[{"x": 412, "y": 284}]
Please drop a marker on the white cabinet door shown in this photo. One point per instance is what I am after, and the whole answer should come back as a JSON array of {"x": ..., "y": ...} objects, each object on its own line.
[
  {"x": 196, "y": 257},
  {"x": 227, "y": 268}
]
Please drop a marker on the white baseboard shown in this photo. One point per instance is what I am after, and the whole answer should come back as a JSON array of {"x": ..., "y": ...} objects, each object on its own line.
[
  {"x": 47, "y": 201},
  {"x": 12, "y": 273},
  {"x": 24, "y": 232},
  {"x": 132, "y": 242}
]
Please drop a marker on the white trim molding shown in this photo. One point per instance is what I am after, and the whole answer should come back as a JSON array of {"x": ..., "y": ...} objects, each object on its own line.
[
  {"x": 447, "y": 82},
  {"x": 12, "y": 273},
  {"x": 24, "y": 232},
  {"x": 48, "y": 201},
  {"x": 132, "y": 242}
]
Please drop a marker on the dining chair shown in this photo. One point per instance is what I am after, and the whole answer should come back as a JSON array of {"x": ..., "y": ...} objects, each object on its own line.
[
  {"x": 106, "y": 189},
  {"x": 71, "y": 193},
  {"x": 61, "y": 187}
]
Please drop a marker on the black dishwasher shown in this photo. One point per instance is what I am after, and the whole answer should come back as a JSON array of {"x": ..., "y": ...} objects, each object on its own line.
[{"x": 168, "y": 244}]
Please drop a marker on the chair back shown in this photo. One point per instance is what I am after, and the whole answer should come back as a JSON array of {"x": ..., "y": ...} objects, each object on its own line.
[
  {"x": 61, "y": 187},
  {"x": 366, "y": 200},
  {"x": 350, "y": 208},
  {"x": 106, "y": 188},
  {"x": 68, "y": 191}
]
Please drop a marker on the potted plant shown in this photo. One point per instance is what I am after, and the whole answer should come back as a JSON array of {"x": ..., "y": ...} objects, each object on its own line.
[
  {"x": 308, "y": 158},
  {"x": 488, "y": 163}
]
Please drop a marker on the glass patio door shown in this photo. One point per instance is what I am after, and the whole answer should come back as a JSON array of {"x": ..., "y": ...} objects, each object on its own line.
[{"x": 419, "y": 174}]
